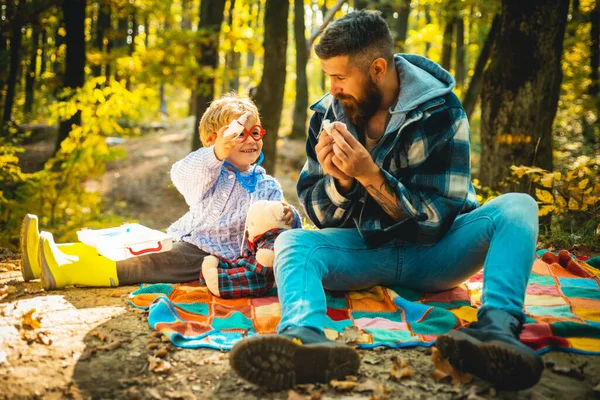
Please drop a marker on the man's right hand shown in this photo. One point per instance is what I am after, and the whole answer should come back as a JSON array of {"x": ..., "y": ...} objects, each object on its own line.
[
  {"x": 324, "y": 149},
  {"x": 223, "y": 146}
]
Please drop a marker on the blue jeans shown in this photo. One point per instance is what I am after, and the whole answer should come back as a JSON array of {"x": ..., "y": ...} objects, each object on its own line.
[{"x": 499, "y": 236}]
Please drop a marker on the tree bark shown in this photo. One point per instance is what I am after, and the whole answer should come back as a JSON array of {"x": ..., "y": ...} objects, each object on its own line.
[
  {"x": 301, "y": 103},
  {"x": 102, "y": 26},
  {"x": 43, "y": 51},
  {"x": 459, "y": 70},
  {"x": 4, "y": 62},
  {"x": 594, "y": 50},
  {"x": 427, "y": 22},
  {"x": 74, "y": 17},
  {"x": 269, "y": 95},
  {"x": 207, "y": 55},
  {"x": 520, "y": 89},
  {"x": 15, "y": 61},
  {"x": 32, "y": 69},
  {"x": 472, "y": 94},
  {"x": 447, "y": 44},
  {"x": 402, "y": 25}
]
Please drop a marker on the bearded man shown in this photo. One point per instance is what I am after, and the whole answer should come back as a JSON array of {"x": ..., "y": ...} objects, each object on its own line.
[{"x": 390, "y": 189}]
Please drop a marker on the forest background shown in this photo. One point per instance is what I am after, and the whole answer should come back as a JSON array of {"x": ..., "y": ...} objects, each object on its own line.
[{"x": 92, "y": 74}]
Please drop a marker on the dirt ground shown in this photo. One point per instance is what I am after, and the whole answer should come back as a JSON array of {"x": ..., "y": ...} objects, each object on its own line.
[{"x": 88, "y": 343}]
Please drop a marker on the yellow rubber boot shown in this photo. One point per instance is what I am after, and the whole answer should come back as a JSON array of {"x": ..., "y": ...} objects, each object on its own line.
[
  {"x": 30, "y": 242},
  {"x": 78, "y": 264}
]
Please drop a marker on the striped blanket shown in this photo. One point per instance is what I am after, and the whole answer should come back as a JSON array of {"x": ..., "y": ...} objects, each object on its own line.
[{"x": 562, "y": 306}]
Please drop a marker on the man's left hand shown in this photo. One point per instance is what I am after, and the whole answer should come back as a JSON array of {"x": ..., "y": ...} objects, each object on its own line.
[{"x": 350, "y": 156}]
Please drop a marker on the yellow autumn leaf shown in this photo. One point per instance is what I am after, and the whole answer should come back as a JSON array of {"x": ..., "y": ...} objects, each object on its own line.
[
  {"x": 545, "y": 210},
  {"x": 583, "y": 183},
  {"x": 547, "y": 180},
  {"x": 518, "y": 171},
  {"x": 557, "y": 176},
  {"x": 560, "y": 202},
  {"x": 591, "y": 200},
  {"x": 544, "y": 196},
  {"x": 573, "y": 204}
]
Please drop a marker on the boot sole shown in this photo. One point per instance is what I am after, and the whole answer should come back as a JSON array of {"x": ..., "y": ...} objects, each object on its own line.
[
  {"x": 494, "y": 361},
  {"x": 279, "y": 363},
  {"x": 46, "y": 276},
  {"x": 25, "y": 263}
]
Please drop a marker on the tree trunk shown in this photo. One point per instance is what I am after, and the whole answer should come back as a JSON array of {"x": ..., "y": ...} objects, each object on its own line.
[
  {"x": 520, "y": 89},
  {"x": 102, "y": 26},
  {"x": 207, "y": 55},
  {"x": 472, "y": 94},
  {"x": 301, "y": 103},
  {"x": 133, "y": 32},
  {"x": 15, "y": 61},
  {"x": 4, "y": 63},
  {"x": 74, "y": 17},
  {"x": 594, "y": 50},
  {"x": 402, "y": 25},
  {"x": 459, "y": 70},
  {"x": 32, "y": 69},
  {"x": 232, "y": 71},
  {"x": 269, "y": 95},
  {"x": 43, "y": 51},
  {"x": 427, "y": 21},
  {"x": 447, "y": 45}
]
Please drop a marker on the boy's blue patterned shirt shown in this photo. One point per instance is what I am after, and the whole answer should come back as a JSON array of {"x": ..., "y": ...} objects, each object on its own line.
[{"x": 424, "y": 153}]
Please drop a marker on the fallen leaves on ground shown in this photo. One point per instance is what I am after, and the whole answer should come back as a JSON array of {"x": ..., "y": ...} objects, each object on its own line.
[
  {"x": 158, "y": 364},
  {"x": 31, "y": 321},
  {"x": 351, "y": 335},
  {"x": 343, "y": 386},
  {"x": 400, "y": 369},
  {"x": 443, "y": 369}
]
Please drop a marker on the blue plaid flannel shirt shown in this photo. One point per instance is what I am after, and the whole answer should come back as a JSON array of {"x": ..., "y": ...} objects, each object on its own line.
[{"x": 424, "y": 153}]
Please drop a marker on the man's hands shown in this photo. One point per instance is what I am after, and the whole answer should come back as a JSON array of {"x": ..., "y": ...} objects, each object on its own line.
[
  {"x": 223, "y": 146},
  {"x": 344, "y": 157}
]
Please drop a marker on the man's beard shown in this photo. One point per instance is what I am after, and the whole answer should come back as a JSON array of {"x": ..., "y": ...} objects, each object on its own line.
[{"x": 360, "y": 111}]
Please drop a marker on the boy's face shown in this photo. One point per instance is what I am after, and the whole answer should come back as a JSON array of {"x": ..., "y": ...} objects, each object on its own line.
[{"x": 244, "y": 154}]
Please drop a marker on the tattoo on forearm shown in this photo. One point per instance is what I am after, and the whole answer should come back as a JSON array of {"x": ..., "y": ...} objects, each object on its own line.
[{"x": 387, "y": 201}]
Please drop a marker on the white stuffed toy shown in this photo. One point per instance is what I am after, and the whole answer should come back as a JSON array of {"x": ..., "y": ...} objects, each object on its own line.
[{"x": 252, "y": 273}]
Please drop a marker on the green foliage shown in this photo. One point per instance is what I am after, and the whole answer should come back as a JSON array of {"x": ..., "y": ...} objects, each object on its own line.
[{"x": 64, "y": 193}]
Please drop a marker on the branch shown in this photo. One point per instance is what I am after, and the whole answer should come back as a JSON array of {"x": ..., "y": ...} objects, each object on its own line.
[{"x": 326, "y": 20}]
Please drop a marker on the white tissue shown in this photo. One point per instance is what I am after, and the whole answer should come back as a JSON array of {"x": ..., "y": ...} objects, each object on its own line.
[
  {"x": 328, "y": 125},
  {"x": 236, "y": 126}
]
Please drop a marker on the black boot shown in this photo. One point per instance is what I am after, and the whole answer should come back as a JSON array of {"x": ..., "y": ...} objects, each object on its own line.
[
  {"x": 298, "y": 355},
  {"x": 490, "y": 349}
]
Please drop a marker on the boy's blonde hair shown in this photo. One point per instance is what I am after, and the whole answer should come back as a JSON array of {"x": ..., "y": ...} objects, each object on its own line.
[{"x": 222, "y": 111}]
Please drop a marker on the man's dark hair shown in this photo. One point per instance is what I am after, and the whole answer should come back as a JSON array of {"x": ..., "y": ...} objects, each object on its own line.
[{"x": 363, "y": 35}]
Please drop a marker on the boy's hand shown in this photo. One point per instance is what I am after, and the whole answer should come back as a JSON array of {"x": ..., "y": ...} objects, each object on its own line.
[
  {"x": 288, "y": 213},
  {"x": 223, "y": 146}
]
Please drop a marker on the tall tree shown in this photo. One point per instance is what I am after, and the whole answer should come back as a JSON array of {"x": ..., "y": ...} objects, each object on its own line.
[
  {"x": 102, "y": 28},
  {"x": 269, "y": 95},
  {"x": 459, "y": 61},
  {"x": 595, "y": 49},
  {"x": 14, "y": 14},
  {"x": 207, "y": 55},
  {"x": 520, "y": 89},
  {"x": 447, "y": 44},
  {"x": 301, "y": 103},
  {"x": 74, "y": 17},
  {"x": 402, "y": 24},
  {"x": 32, "y": 68},
  {"x": 472, "y": 94}
]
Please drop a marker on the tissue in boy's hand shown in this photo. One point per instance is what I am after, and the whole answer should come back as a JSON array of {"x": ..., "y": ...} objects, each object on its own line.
[
  {"x": 236, "y": 126},
  {"x": 328, "y": 125}
]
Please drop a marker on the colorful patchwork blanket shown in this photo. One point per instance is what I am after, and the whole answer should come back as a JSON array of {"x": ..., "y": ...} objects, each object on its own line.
[{"x": 562, "y": 304}]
